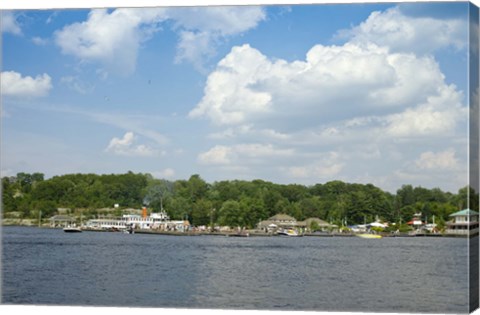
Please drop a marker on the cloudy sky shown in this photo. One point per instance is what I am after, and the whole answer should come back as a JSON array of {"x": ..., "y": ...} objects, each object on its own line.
[{"x": 367, "y": 93}]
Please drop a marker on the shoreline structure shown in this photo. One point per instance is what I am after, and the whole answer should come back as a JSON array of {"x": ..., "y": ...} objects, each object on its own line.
[
  {"x": 250, "y": 233},
  {"x": 465, "y": 224}
]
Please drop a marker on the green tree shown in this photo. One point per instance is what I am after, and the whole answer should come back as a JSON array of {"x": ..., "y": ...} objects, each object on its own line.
[
  {"x": 156, "y": 192},
  {"x": 198, "y": 187},
  {"x": 314, "y": 226},
  {"x": 201, "y": 212},
  {"x": 231, "y": 214}
]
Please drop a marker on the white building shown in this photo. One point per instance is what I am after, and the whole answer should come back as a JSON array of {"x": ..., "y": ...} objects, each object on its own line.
[{"x": 465, "y": 222}]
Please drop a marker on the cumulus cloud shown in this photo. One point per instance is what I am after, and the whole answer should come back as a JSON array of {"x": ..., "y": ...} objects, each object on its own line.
[
  {"x": 202, "y": 28},
  {"x": 216, "y": 155},
  {"x": 126, "y": 146},
  {"x": 112, "y": 39},
  {"x": 379, "y": 96},
  {"x": 10, "y": 23},
  {"x": 14, "y": 84},
  {"x": 402, "y": 33},
  {"x": 445, "y": 167},
  {"x": 439, "y": 115},
  {"x": 445, "y": 160},
  {"x": 354, "y": 80}
]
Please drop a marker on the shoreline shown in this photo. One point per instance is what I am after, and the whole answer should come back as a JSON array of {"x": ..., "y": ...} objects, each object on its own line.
[{"x": 251, "y": 233}]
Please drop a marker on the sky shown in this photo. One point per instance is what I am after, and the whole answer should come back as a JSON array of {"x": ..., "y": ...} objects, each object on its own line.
[{"x": 363, "y": 93}]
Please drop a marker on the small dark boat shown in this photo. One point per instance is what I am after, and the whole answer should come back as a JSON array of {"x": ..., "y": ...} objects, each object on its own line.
[
  {"x": 244, "y": 234},
  {"x": 70, "y": 229}
]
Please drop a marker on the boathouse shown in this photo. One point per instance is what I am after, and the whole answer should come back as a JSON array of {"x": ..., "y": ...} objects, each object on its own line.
[{"x": 465, "y": 222}]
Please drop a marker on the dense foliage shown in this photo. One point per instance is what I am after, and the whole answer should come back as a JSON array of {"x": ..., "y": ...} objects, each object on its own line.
[{"x": 233, "y": 203}]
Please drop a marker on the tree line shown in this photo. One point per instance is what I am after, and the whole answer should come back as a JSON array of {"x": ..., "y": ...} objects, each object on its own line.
[{"x": 229, "y": 202}]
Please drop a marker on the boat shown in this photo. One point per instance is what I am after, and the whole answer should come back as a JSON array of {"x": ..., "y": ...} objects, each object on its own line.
[
  {"x": 288, "y": 232},
  {"x": 239, "y": 234},
  {"x": 141, "y": 222},
  {"x": 72, "y": 229},
  {"x": 367, "y": 235}
]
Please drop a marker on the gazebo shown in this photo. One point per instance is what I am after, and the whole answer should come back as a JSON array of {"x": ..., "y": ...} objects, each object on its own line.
[{"x": 61, "y": 221}]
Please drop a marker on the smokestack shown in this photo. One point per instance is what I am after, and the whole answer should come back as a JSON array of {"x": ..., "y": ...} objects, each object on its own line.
[{"x": 144, "y": 212}]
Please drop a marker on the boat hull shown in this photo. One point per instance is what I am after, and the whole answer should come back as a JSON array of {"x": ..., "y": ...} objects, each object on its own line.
[
  {"x": 72, "y": 230},
  {"x": 371, "y": 236},
  {"x": 289, "y": 234},
  {"x": 238, "y": 235}
]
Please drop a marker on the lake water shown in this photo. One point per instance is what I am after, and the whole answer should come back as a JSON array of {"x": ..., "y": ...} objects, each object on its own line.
[{"x": 50, "y": 267}]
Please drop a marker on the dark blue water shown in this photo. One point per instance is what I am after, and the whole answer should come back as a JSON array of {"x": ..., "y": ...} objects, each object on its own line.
[{"x": 50, "y": 267}]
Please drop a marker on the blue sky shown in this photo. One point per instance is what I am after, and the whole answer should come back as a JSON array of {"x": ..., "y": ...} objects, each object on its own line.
[{"x": 368, "y": 93}]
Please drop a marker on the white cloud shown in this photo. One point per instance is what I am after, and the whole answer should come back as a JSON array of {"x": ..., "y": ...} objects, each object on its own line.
[
  {"x": 327, "y": 167},
  {"x": 203, "y": 27},
  {"x": 194, "y": 47},
  {"x": 166, "y": 173},
  {"x": 225, "y": 20},
  {"x": 111, "y": 39},
  {"x": 9, "y": 23},
  {"x": 218, "y": 155},
  {"x": 240, "y": 154},
  {"x": 439, "y": 115},
  {"x": 76, "y": 84},
  {"x": 255, "y": 150},
  {"x": 125, "y": 146},
  {"x": 447, "y": 168},
  {"x": 248, "y": 132},
  {"x": 14, "y": 84},
  {"x": 39, "y": 41},
  {"x": 333, "y": 83},
  {"x": 361, "y": 110},
  {"x": 139, "y": 124},
  {"x": 228, "y": 98},
  {"x": 403, "y": 33},
  {"x": 445, "y": 160}
]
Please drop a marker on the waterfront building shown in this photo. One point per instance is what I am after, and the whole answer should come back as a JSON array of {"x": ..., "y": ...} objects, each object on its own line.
[
  {"x": 465, "y": 222},
  {"x": 416, "y": 221},
  {"x": 61, "y": 221},
  {"x": 278, "y": 221},
  {"x": 322, "y": 225}
]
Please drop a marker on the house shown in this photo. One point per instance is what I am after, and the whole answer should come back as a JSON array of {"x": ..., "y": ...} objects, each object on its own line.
[
  {"x": 416, "y": 221},
  {"x": 277, "y": 221},
  {"x": 465, "y": 222}
]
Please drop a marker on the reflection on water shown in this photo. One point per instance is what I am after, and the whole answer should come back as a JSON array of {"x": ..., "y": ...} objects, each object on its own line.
[{"x": 42, "y": 266}]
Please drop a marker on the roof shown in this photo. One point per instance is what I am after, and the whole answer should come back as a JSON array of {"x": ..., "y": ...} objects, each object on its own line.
[
  {"x": 266, "y": 223},
  {"x": 62, "y": 218},
  {"x": 464, "y": 212},
  {"x": 282, "y": 217},
  {"x": 320, "y": 222}
]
